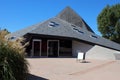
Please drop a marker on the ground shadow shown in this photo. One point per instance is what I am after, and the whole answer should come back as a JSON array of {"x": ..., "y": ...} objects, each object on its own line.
[
  {"x": 34, "y": 77},
  {"x": 85, "y": 61}
]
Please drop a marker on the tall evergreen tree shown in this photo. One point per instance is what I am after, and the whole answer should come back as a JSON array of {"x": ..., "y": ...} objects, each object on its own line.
[{"x": 109, "y": 22}]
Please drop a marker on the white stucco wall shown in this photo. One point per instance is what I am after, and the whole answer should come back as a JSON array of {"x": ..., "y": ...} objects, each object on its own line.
[
  {"x": 102, "y": 53},
  {"x": 80, "y": 46},
  {"x": 94, "y": 52}
]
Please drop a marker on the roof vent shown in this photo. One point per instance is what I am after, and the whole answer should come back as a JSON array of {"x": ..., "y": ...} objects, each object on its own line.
[{"x": 53, "y": 24}]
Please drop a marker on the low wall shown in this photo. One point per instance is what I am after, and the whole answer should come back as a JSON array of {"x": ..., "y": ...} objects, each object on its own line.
[
  {"x": 102, "y": 53},
  {"x": 80, "y": 46}
]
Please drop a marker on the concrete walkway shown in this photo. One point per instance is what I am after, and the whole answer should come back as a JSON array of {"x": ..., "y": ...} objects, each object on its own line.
[{"x": 69, "y": 69}]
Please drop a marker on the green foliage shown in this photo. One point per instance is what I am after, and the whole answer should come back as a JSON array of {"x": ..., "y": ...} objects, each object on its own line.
[
  {"x": 117, "y": 29},
  {"x": 13, "y": 65},
  {"x": 109, "y": 22}
]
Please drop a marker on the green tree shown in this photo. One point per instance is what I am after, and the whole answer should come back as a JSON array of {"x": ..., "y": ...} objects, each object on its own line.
[
  {"x": 13, "y": 65},
  {"x": 109, "y": 22}
]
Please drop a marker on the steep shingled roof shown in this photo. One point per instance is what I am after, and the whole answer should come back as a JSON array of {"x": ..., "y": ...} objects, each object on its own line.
[
  {"x": 65, "y": 29},
  {"x": 72, "y": 17},
  {"x": 60, "y": 27}
]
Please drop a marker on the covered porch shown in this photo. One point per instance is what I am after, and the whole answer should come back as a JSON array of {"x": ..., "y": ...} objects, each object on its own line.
[{"x": 48, "y": 46}]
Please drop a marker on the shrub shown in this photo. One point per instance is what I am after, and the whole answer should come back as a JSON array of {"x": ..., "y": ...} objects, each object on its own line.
[{"x": 13, "y": 65}]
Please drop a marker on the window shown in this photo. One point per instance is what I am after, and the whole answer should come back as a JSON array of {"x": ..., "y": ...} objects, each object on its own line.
[
  {"x": 12, "y": 38},
  {"x": 78, "y": 30},
  {"x": 75, "y": 29},
  {"x": 53, "y": 24},
  {"x": 73, "y": 25},
  {"x": 93, "y": 36}
]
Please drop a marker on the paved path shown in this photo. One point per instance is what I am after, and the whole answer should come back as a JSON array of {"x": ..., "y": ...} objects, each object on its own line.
[{"x": 69, "y": 69}]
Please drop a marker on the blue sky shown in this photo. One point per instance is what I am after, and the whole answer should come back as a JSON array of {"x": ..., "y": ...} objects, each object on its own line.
[{"x": 18, "y": 14}]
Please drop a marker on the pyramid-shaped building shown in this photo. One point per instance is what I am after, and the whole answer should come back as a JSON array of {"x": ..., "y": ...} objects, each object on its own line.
[{"x": 64, "y": 35}]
